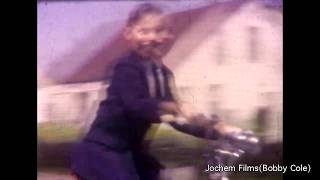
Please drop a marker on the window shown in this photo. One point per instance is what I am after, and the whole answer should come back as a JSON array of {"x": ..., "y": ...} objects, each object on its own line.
[
  {"x": 253, "y": 44},
  {"x": 215, "y": 98},
  {"x": 220, "y": 59}
]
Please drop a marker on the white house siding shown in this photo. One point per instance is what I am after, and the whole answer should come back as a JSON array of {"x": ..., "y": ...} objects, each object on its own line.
[
  {"x": 75, "y": 103},
  {"x": 236, "y": 86}
]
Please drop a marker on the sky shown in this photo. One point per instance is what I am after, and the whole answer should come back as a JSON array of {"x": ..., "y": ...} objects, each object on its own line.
[
  {"x": 60, "y": 25},
  {"x": 63, "y": 25}
]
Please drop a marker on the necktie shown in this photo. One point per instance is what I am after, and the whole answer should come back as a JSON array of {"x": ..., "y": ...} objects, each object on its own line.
[{"x": 159, "y": 79}]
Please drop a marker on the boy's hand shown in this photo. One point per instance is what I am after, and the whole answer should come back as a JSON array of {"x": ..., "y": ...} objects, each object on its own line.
[
  {"x": 225, "y": 129},
  {"x": 186, "y": 111},
  {"x": 167, "y": 118},
  {"x": 169, "y": 107}
]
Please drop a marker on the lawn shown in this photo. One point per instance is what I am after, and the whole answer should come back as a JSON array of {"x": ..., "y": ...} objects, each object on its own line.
[
  {"x": 57, "y": 132},
  {"x": 167, "y": 143},
  {"x": 170, "y": 147}
]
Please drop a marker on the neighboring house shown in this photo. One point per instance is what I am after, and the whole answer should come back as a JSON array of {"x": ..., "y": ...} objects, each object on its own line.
[
  {"x": 70, "y": 103},
  {"x": 230, "y": 62},
  {"x": 227, "y": 60}
]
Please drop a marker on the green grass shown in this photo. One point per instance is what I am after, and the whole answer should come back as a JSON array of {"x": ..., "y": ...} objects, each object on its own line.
[
  {"x": 172, "y": 148},
  {"x": 58, "y": 132},
  {"x": 64, "y": 132}
]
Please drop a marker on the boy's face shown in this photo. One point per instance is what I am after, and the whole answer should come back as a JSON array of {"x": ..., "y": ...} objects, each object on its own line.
[{"x": 150, "y": 36}]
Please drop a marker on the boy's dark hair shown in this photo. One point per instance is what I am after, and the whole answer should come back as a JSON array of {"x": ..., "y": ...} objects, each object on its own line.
[{"x": 141, "y": 10}]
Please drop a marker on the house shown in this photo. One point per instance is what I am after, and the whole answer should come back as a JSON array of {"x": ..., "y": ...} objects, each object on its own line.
[{"x": 229, "y": 61}]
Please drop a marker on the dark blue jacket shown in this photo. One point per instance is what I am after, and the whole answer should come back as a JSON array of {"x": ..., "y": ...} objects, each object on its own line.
[
  {"x": 112, "y": 149},
  {"x": 128, "y": 111}
]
